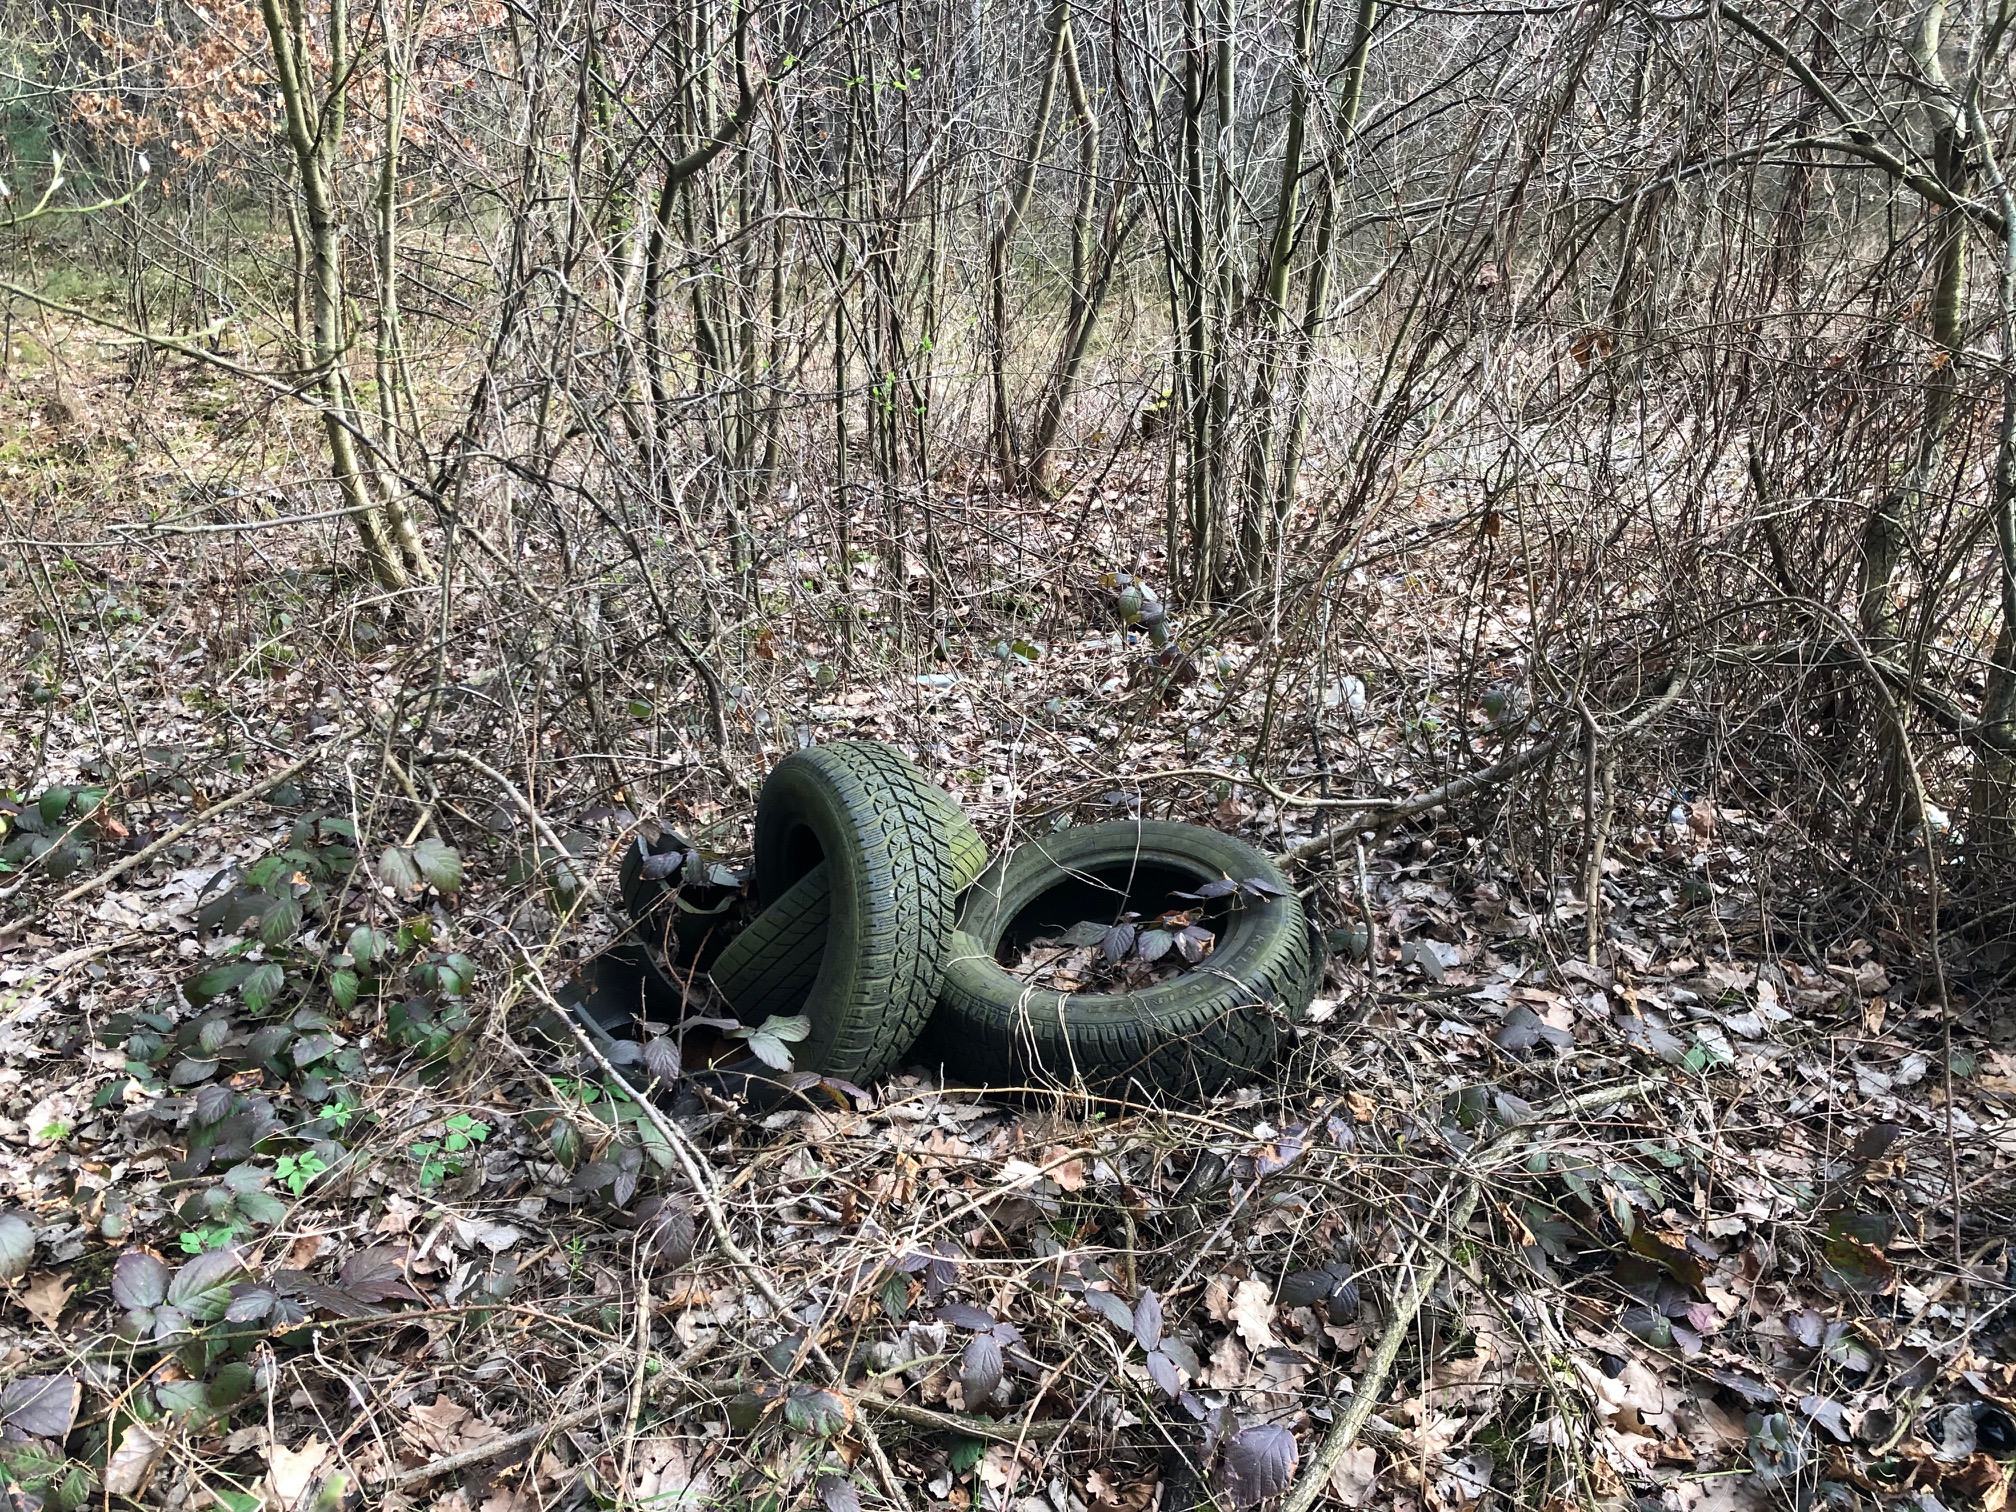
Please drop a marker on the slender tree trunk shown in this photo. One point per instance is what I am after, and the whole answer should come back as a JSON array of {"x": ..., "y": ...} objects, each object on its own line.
[
  {"x": 1095, "y": 254},
  {"x": 1886, "y": 537},
  {"x": 1259, "y": 527},
  {"x": 315, "y": 126},
  {"x": 1991, "y": 825},
  {"x": 1316, "y": 308},
  {"x": 1007, "y": 447}
]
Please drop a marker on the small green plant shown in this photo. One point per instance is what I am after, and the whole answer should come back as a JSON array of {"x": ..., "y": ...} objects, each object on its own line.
[
  {"x": 208, "y": 1237},
  {"x": 339, "y": 1111},
  {"x": 236, "y": 1205},
  {"x": 440, "y": 1159},
  {"x": 770, "y": 1041},
  {"x": 296, "y": 1172},
  {"x": 55, "y": 828}
]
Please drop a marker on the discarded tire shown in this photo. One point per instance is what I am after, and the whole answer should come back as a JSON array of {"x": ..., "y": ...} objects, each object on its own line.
[
  {"x": 1190, "y": 1035},
  {"x": 771, "y": 967},
  {"x": 878, "y": 828}
]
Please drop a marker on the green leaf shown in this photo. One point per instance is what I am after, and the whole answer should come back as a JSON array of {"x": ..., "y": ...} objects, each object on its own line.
[
  {"x": 439, "y": 864},
  {"x": 139, "y": 1279},
  {"x": 282, "y": 919},
  {"x": 182, "y": 1398},
  {"x": 770, "y": 1050},
  {"x": 246, "y": 1177},
  {"x": 87, "y": 800},
  {"x": 343, "y": 988},
  {"x": 202, "y": 1288},
  {"x": 1086, "y": 932},
  {"x": 822, "y": 1414},
  {"x": 52, "y": 804},
  {"x": 399, "y": 870},
  {"x": 457, "y": 974},
  {"x": 965, "y": 1454},
  {"x": 262, "y": 1207},
  {"x": 218, "y": 980},
  {"x": 263, "y": 985},
  {"x": 790, "y": 1030},
  {"x": 233, "y": 1379},
  {"x": 366, "y": 946},
  {"x": 190, "y": 1070},
  {"x": 653, "y": 1143},
  {"x": 63, "y": 861}
]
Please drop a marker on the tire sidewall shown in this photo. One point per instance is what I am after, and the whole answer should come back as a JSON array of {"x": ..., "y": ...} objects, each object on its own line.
[
  {"x": 1018, "y": 879},
  {"x": 800, "y": 795}
]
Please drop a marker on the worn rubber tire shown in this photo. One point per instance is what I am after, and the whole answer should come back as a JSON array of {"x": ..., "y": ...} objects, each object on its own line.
[
  {"x": 1189, "y": 1036},
  {"x": 877, "y": 825},
  {"x": 770, "y": 967}
]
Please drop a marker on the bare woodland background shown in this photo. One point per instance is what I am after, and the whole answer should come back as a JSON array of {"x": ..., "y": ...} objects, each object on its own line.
[{"x": 1575, "y": 449}]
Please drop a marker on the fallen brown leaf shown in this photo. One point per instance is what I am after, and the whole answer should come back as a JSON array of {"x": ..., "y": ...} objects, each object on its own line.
[
  {"x": 289, "y": 1472},
  {"x": 45, "y": 1297}
]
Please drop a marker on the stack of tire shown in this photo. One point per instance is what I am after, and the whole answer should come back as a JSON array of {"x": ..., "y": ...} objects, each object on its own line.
[{"x": 885, "y": 924}]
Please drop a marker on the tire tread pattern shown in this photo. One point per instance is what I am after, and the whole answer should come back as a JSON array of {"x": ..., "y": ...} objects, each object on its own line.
[
  {"x": 770, "y": 968},
  {"x": 883, "y": 956}
]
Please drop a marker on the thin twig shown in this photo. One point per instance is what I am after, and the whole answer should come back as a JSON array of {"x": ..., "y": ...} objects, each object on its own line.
[
  {"x": 682, "y": 1149},
  {"x": 1488, "y": 777},
  {"x": 491, "y": 1449},
  {"x": 530, "y": 809},
  {"x": 1372, "y": 1384}
]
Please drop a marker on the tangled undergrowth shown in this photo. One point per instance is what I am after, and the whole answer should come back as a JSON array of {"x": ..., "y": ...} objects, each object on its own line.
[{"x": 313, "y": 1194}]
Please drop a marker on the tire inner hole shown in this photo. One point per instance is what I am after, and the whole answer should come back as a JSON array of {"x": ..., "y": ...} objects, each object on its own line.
[{"x": 1102, "y": 895}]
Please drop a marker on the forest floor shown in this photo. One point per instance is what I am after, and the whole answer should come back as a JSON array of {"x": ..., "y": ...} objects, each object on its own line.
[{"x": 305, "y": 1195}]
